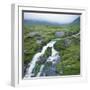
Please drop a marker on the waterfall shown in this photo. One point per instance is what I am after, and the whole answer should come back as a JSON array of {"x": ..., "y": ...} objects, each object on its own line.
[
  {"x": 53, "y": 58},
  {"x": 41, "y": 69}
]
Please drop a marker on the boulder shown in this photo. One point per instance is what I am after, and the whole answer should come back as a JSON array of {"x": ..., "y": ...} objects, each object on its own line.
[
  {"x": 67, "y": 42},
  {"x": 60, "y": 34},
  {"x": 39, "y": 40},
  {"x": 32, "y": 34},
  {"x": 41, "y": 60}
]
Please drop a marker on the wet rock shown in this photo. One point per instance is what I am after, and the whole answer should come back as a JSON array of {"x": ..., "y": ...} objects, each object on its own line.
[
  {"x": 26, "y": 66},
  {"x": 41, "y": 60},
  {"x": 39, "y": 49},
  {"x": 54, "y": 59},
  {"x": 59, "y": 34}
]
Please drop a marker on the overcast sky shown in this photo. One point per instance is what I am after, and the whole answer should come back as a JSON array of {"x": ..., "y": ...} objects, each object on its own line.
[{"x": 57, "y": 18}]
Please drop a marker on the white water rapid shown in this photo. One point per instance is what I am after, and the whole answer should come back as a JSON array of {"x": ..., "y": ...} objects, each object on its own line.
[{"x": 54, "y": 58}]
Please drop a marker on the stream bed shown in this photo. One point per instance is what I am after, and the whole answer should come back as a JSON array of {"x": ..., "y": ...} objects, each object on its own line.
[{"x": 48, "y": 68}]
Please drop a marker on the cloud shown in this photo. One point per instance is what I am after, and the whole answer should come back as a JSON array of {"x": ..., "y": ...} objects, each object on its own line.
[{"x": 56, "y": 18}]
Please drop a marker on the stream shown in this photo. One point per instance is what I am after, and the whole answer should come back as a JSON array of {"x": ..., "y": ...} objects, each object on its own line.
[{"x": 54, "y": 58}]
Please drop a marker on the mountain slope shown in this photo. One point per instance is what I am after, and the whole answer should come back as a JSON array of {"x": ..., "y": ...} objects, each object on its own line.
[{"x": 76, "y": 21}]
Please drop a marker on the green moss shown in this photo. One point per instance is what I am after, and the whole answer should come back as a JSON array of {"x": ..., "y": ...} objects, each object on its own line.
[{"x": 70, "y": 63}]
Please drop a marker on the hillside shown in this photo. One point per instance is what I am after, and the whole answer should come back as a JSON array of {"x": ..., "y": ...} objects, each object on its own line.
[
  {"x": 38, "y": 35},
  {"x": 76, "y": 21}
]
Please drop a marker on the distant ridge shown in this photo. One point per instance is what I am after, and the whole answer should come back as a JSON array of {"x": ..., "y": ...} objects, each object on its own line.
[
  {"x": 33, "y": 22},
  {"x": 76, "y": 21}
]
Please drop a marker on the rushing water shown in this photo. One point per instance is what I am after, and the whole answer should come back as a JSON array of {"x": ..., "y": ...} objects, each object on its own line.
[{"x": 54, "y": 58}]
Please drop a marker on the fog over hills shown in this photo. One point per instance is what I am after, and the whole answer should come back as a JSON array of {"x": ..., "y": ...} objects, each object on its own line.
[
  {"x": 49, "y": 19},
  {"x": 31, "y": 22}
]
